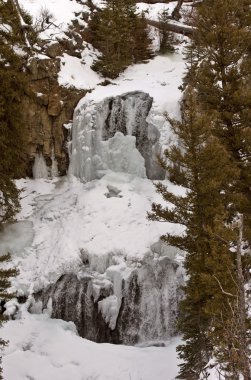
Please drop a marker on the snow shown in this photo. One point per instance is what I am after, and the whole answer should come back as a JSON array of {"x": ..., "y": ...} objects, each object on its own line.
[
  {"x": 152, "y": 11},
  {"x": 77, "y": 72},
  {"x": 160, "y": 78},
  {"x": 5, "y": 28},
  {"x": 67, "y": 217},
  {"x": 41, "y": 349},
  {"x": 63, "y": 11}
]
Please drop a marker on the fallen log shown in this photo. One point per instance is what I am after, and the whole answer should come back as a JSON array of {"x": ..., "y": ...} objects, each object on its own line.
[{"x": 173, "y": 27}]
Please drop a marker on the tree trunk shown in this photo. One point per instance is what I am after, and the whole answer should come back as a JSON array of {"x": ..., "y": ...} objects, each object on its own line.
[
  {"x": 176, "y": 12},
  {"x": 242, "y": 308},
  {"x": 180, "y": 29},
  {"x": 23, "y": 25}
]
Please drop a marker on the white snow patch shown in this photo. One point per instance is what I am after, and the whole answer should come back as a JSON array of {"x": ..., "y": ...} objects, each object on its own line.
[
  {"x": 152, "y": 11},
  {"x": 63, "y": 10},
  {"x": 41, "y": 348},
  {"x": 77, "y": 72}
]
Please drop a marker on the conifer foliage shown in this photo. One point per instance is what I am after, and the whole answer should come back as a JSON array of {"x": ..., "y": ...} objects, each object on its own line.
[
  {"x": 12, "y": 78},
  {"x": 213, "y": 162},
  {"x": 11, "y": 134},
  {"x": 120, "y": 35},
  {"x": 166, "y": 37},
  {"x": 221, "y": 73},
  {"x": 203, "y": 166},
  {"x": 5, "y": 295}
]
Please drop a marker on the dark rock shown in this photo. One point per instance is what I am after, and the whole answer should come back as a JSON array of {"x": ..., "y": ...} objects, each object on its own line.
[
  {"x": 148, "y": 310},
  {"x": 54, "y": 50}
]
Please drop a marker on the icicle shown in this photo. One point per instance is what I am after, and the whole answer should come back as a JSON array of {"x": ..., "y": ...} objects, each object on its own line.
[
  {"x": 54, "y": 165},
  {"x": 39, "y": 169}
]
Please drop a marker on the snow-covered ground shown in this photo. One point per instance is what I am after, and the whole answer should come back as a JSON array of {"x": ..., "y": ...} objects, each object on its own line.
[
  {"x": 44, "y": 349},
  {"x": 63, "y": 11}
]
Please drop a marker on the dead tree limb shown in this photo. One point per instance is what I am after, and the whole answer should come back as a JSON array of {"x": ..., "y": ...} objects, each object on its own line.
[{"x": 172, "y": 27}]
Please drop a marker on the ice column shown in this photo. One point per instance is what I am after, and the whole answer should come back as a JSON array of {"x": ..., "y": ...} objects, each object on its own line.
[
  {"x": 54, "y": 165},
  {"x": 39, "y": 169}
]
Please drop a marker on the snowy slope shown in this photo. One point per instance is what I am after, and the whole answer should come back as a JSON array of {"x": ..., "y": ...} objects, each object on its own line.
[
  {"x": 66, "y": 218},
  {"x": 62, "y": 13}
]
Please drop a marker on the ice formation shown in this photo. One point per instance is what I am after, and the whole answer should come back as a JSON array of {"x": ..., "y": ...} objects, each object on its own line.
[
  {"x": 94, "y": 257},
  {"x": 39, "y": 169},
  {"x": 129, "y": 303},
  {"x": 106, "y": 135},
  {"x": 54, "y": 165}
]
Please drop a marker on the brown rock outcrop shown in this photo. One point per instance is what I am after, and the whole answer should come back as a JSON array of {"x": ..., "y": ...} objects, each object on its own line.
[{"x": 47, "y": 106}]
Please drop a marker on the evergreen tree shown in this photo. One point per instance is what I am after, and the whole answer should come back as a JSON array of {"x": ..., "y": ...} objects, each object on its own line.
[
  {"x": 120, "y": 35},
  {"x": 5, "y": 295},
  {"x": 220, "y": 70},
  {"x": 112, "y": 40},
  {"x": 142, "y": 50},
  {"x": 11, "y": 133},
  {"x": 166, "y": 37},
  {"x": 204, "y": 167}
]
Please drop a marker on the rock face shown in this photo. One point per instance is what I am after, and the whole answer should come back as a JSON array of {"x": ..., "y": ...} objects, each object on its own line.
[
  {"x": 46, "y": 108},
  {"x": 148, "y": 303},
  {"x": 96, "y": 123}
]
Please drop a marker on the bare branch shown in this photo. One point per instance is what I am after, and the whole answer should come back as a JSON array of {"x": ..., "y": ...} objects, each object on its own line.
[{"x": 223, "y": 291}]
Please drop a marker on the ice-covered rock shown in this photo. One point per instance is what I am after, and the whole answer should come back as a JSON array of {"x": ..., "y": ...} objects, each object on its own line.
[
  {"x": 127, "y": 304},
  {"x": 106, "y": 134},
  {"x": 96, "y": 258}
]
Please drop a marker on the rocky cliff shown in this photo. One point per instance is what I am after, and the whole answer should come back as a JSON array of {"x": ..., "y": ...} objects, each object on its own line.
[{"x": 47, "y": 107}]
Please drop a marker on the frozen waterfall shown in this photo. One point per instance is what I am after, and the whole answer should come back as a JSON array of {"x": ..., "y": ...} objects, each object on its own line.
[
  {"x": 126, "y": 305},
  {"x": 114, "y": 134},
  {"x": 39, "y": 169},
  {"x": 54, "y": 165},
  {"x": 119, "y": 291}
]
